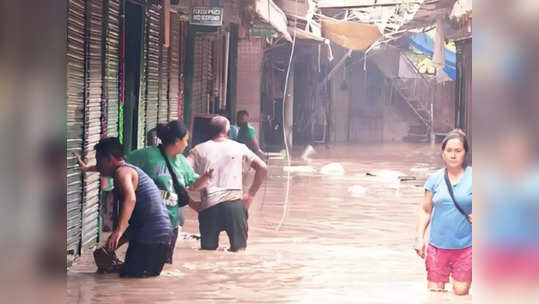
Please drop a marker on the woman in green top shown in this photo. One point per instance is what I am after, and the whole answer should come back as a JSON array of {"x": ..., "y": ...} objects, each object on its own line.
[{"x": 174, "y": 139}]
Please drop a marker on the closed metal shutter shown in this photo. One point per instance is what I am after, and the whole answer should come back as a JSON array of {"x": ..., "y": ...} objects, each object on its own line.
[
  {"x": 184, "y": 32},
  {"x": 162, "y": 115},
  {"x": 202, "y": 78},
  {"x": 75, "y": 119},
  {"x": 174, "y": 77},
  {"x": 152, "y": 59},
  {"x": 111, "y": 66},
  {"x": 92, "y": 119}
]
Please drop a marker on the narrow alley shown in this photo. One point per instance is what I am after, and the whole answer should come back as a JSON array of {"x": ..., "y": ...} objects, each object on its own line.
[
  {"x": 339, "y": 237},
  {"x": 341, "y": 110}
]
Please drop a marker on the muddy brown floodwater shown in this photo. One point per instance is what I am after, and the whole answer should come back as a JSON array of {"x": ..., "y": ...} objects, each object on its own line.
[{"x": 335, "y": 239}]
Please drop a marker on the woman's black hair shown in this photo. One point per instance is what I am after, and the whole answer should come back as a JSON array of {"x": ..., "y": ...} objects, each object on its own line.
[
  {"x": 170, "y": 132},
  {"x": 460, "y": 135},
  {"x": 456, "y": 133}
]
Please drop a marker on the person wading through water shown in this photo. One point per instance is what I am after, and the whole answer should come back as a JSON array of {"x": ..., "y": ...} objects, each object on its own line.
[
  {"x": 447, "y": 208},
  {"x": 155, "y": 160},
  {"x": 245, "y": 134},
  {"x": 142, "y": 209},
  {"x": 224, "y": 205}
]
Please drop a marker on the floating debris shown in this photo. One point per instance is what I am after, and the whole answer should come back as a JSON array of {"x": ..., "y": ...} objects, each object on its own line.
[
  {"x": 406, "y": 178},
  {"x": 356, "y": 190},
  {"x": 332, "y": 169},
  {"x": 386, "y": 175},
  {"x": 301, "y": 169},
  {"x": 273, "y": 155}
]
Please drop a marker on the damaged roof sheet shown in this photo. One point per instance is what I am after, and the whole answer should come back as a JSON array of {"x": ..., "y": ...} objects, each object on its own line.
[{"x": 388, "y": 15}]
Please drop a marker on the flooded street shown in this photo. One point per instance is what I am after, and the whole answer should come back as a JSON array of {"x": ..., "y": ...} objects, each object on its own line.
[{"x": 336, "y": 238}]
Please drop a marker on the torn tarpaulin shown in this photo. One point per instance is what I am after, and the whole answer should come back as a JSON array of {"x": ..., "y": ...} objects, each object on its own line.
[{"x": 351, "y": 35}]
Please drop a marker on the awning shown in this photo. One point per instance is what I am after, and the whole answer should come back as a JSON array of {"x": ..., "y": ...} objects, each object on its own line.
[
  {"x": 302, "y": 34},
  {"x": 351, "y": 35},
  {"x": 272, "y": 14}
]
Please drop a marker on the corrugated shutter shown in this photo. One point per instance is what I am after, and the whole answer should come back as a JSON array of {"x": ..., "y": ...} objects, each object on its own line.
[
  {"x": 111, "y": 65},
  {"x": 92, "y": 119},
  {"x": 75, "y": 119},
  {"x": 218, "y": 90},
  {"x": 202, "y": 77},
  {"x": 174, "y": 77},
  {"x": 162, "y": 115},
  {"x": 184, "y": 32},
  {"x": 153, "y": 44}
]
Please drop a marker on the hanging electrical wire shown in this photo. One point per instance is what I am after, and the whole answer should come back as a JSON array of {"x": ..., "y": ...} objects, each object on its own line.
[{"x": 285, "y": 127}]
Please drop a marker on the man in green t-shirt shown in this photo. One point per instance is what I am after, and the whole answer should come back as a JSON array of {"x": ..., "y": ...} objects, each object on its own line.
[{"x": 244, "y": 133}]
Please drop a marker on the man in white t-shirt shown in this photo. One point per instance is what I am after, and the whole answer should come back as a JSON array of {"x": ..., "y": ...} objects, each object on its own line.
[{"x": 223, "y": 205}]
